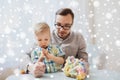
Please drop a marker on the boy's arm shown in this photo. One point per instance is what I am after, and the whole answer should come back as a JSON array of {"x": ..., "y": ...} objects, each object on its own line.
[
  {"x": 49, "y": 56},
  {"x": 56, "y": 59}
]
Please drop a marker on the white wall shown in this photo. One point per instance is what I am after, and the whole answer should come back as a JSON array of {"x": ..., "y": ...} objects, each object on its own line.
[{"x": 107, "y": 26}]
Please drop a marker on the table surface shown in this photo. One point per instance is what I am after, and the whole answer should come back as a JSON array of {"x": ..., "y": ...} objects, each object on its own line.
[{"x": 94, "y": 75}]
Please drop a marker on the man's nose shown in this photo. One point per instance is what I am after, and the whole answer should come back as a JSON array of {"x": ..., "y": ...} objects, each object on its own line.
[{"x": 61, "y": 29}]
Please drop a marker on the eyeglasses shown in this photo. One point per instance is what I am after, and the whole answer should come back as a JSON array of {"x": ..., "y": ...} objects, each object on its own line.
[{"x": 65, "y": 27}]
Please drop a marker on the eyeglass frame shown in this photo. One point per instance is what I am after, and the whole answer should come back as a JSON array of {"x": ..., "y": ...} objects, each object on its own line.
[{"x": 65, "y": 27}]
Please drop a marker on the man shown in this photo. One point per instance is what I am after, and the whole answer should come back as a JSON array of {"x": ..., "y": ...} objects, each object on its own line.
[{"x": 72, "y": 43}]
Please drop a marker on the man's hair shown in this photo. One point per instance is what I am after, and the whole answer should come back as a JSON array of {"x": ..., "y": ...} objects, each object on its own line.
[
  {"x": 41, "y": 27},
  {"x": 65, "y": 11}
]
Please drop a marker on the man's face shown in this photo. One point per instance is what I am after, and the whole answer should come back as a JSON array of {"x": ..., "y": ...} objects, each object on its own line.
[
  {"x": 43, "y": 39},
  {"x": 63, "y": 25}
]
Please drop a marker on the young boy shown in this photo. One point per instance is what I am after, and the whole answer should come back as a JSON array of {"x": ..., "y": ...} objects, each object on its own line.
[{"x": 51, "y": 55}]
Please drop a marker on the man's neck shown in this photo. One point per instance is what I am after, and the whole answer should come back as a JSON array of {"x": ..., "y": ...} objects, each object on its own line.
[{"x": 65, "y": 37}]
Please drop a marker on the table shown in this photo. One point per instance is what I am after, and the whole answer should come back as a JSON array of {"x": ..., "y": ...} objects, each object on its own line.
[
  {"x": 94, "y": 75},
  {"x": 49, "y": 76}
]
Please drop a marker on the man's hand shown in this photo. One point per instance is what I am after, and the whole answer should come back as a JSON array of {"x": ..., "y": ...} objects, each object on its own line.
[
  {"x": 38, "y": 69},
  {"x": 86, "y": 65}
]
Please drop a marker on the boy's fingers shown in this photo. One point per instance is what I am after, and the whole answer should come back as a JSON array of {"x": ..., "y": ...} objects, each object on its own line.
[{"x": 41, "y": 59}]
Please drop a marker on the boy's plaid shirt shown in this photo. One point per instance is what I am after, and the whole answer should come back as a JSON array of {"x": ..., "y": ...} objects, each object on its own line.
[{"x": 51, "y": 66}]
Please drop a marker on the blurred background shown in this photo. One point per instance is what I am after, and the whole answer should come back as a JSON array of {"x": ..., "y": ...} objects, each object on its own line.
[{"x": 97, "y": 20}]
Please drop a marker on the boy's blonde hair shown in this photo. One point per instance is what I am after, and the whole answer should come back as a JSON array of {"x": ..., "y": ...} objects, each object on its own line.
[{"x": 41, "y": 27}]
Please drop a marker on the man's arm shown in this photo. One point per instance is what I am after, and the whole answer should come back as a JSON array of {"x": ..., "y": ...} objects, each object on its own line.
[
  {"x": 82, "y": 45},
  {"x": 82, "y": 54}
]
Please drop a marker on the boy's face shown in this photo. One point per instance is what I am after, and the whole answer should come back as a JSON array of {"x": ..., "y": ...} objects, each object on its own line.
[{"x": 43, "y": 39}]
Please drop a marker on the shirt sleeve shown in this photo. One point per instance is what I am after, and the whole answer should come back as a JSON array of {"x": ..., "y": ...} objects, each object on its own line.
[
  {"x": 61, "y": 53},
  {"x": 84, "y": 56},
  {"x": 82, "y": 45},
  {"x": 57, "y": 51},
  {"x": 30, "y": 50},
  {"x": 34, "y": 56}
]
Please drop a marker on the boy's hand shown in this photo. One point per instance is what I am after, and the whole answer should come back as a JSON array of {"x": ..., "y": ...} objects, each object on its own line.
[
  {"x": 41, "y": 58},
  {"x": 46, "y": 54}
]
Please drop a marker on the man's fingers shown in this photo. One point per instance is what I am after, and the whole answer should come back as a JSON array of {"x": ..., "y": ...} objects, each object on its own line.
[
  {"x": 41, "y": 63},
  {"x": 38, "y": 73},
  {"x": 39, "y": 69}
]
